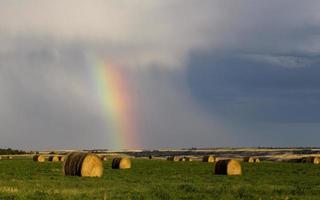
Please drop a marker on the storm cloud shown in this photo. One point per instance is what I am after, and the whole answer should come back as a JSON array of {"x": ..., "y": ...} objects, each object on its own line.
[{"x": 209, "y": 73}]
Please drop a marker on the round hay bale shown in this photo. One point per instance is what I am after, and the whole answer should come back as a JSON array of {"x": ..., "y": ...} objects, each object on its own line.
[
  {"x": 188, "y": 159},
  {"x": 54, "y": 158},
  {"x": 173, "y": 158},
  {"x": 9, "y": 157},
  {"x": 121, "y": 163},
  {"x": 39, "y": 158},
  {"x": 209, "y": 159},
  {"x": 313, "y": 160},
  {"x": 83, "y": 164},
  {"x": 248, "y": 159},
  {"x": 316, "y": 160},
  {"x": 61, "y": 158},
  {"x": 228, "y": 167},
  {"x": 182, "y": 159},
  {"x": 104, "y": 158},
  {"x": 251, "y": 159}
]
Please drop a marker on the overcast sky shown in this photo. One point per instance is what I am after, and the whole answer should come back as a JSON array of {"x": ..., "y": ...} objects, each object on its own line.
[{"x": 200, "y": 73}]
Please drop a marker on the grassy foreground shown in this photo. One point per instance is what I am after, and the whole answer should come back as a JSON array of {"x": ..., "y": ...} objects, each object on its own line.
[{"x": 156, "y": 179}]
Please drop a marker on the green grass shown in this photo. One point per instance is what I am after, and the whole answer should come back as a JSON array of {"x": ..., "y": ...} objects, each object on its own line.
[{"x": 156, "y": 179}]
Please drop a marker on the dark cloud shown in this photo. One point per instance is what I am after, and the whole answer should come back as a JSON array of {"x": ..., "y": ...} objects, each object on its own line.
[
  {"x": 245, "y": 89},
  {"x": 201, "y": 73}
]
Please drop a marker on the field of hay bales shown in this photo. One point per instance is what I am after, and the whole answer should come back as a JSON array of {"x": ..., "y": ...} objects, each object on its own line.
[{"x": 160, "y": 179}]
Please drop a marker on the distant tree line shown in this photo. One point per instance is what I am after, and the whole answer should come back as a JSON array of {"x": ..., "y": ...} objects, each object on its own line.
[
  {"x": 10, "y": 151},
  {"x": 218, "y": 153}
]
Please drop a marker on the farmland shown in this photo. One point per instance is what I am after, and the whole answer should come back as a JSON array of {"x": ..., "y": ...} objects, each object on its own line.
[{"x": 159, "y": 179}]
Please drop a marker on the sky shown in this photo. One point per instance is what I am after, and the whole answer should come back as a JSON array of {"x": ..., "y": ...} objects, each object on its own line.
[{"x": 209, "y": 73}]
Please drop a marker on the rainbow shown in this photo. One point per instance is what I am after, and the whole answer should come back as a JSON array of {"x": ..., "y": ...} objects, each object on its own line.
[{"x": 116, "y": 102}]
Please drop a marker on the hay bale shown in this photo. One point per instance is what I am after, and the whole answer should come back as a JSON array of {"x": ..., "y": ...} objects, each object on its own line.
[
  {"x": 185, "y": 159},
  {"x": 54, "y": 158},
  {"x": 251, "y": 159},
  {"x": 9, "y": 157},
  {"x": 61, "y": 158},
  {"x": 104, "y": 158},
  {"x": 121, "y": 163},
  {"x": 248, "y": 159},
  {"x": 38, "y": 158},
  {"x": 313, "y": 160},
  {"x": 182, "y": 159},
  {"x": 209, "y": 159},
  {"x": 228, "y": 167},
  {"x": 83, "y": 164},
  {"x": 188, "y": 159},
  {"x": 173, "y": 158},
  {"x": 0, "y": 157}
]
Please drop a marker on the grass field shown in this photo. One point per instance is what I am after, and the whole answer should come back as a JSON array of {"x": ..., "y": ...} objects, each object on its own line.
[{"x": 158, "y": 179}]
